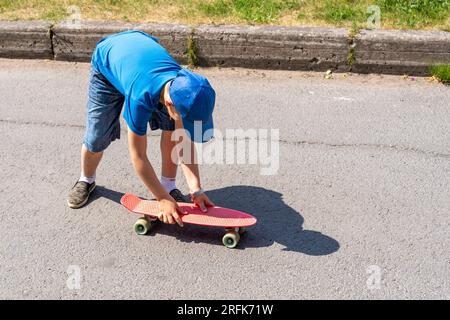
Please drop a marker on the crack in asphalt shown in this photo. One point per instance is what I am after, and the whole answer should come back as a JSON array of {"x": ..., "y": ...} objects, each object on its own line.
[
  {"x": 372, "y": 145},
  {"x": 283, "y": 141},
  {"x": 42, "y": 123}
]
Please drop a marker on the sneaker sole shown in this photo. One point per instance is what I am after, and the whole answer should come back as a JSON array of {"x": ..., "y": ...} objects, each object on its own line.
[{"x": 76, "y": 206}]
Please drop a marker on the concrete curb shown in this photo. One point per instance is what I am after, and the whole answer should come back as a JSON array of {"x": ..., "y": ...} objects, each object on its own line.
[
  {"x": 76, "y": 43},
  {"x": 23, "y": 39},
  {"x": 270, "y": 47},
  {"x": 265, "y": 47},
  {"x": 400, "y": 51}
]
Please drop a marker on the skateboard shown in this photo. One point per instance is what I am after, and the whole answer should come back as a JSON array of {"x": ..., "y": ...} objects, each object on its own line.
[{"x": 234, "y": 222}]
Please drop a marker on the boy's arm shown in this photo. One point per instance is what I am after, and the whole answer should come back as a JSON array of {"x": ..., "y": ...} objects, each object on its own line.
[
  {"x": 192, "y": 174},
  {"x": 190, "y": 169},
  {"x": 138, "y": 151}
]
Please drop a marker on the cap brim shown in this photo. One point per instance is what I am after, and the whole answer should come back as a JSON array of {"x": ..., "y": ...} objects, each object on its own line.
[{"x": 200, "y": 131}]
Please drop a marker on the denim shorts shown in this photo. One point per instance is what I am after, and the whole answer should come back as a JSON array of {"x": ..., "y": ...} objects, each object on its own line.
[{"x": 103, "y": 113}]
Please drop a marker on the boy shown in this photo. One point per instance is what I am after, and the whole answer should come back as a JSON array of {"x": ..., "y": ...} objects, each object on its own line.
[{"x": 131, "y": 69}]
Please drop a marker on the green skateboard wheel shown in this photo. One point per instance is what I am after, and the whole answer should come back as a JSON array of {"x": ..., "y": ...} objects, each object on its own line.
[
  {"x": 142, "y": 226},
  {"x": 231, "y": 239}
]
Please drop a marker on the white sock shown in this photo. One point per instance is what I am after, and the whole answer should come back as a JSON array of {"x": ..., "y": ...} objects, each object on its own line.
[
  {"x": 87, "y": 179},
  {"x": 169, "y": 183}
]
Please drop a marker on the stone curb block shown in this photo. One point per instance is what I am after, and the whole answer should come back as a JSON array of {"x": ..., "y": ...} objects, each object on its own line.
[
  {"x": 76, "y": 43},
  {"x": 272, "y": 47},
  {"x": 266, "y": 47},
  {"x": 25, "y": 39},
  {"x": 400, "y": 51}
]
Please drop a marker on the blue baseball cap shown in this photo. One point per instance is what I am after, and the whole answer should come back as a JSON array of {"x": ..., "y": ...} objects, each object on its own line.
[{"x": 194, "y": 99}]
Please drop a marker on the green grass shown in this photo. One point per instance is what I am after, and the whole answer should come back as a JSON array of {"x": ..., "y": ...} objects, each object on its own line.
[
  {"x": 406, "y": 14},
  {"x": 415, "y": 13},
  {"x": 441, "y": 72},
  {"x": 340, "y": 12},
  {"x": 256, "y": 11},
  {"x": 192, "y": 52},
  {"x": 354, "y": 29}
]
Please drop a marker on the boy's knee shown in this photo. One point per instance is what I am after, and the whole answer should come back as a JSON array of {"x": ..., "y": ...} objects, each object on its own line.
[{"x": 94, "y": 148}]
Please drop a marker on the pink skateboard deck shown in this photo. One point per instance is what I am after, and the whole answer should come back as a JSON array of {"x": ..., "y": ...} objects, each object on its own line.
[{"x": 232, "y": 220}]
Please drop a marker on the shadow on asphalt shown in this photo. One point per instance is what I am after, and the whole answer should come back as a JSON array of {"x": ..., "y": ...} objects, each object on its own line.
[
  {"x": 277, "y": 222},
  {"x": 102, "y": 192}
]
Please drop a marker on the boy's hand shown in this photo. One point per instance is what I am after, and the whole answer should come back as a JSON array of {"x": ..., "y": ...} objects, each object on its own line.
[
  {"x": 202, "y": 201},
  {"x": 169, "y": 211}
]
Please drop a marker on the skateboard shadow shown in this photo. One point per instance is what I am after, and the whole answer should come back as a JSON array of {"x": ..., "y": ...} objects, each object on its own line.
[{"x": 277, "y": 222}]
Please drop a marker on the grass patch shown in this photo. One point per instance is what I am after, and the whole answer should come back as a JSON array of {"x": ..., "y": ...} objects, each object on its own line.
[
  {"x": 441, "y": 72},
  {"x": 192, "y": 52},
  {"x": 415, "y": 13},
  {"x": 351, "y": 57},
  {"x": 406, "y": 14},
  {"x": 351, "y": 38},
  {"x": 341, "y": 12},
  {"x": 253, "y": 11}
]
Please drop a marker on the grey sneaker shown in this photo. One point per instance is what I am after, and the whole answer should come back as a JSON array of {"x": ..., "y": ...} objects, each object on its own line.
[
  {"x": 179, "y": 197},
  {"x": 79, "y": 194}
]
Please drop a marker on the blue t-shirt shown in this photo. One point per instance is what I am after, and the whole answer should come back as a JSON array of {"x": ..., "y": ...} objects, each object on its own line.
[{"x": 139, "y": 67}]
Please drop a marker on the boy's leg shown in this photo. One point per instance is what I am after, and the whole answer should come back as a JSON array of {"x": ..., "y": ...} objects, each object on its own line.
[
  {"x": 79, "y": 194},
  {"x": 89, "y": 162},
  {"x": 102, "y": 127},
  {"x": 169, "y": 167},
  {"x": 162, "y": 121}
]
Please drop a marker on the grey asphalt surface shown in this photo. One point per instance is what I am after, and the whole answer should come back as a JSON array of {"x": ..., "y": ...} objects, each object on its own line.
[{"x": 363, "y": 186}]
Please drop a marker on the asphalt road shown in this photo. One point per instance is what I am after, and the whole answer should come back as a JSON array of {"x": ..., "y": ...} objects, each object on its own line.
[{"x": 359, "y": 207}]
